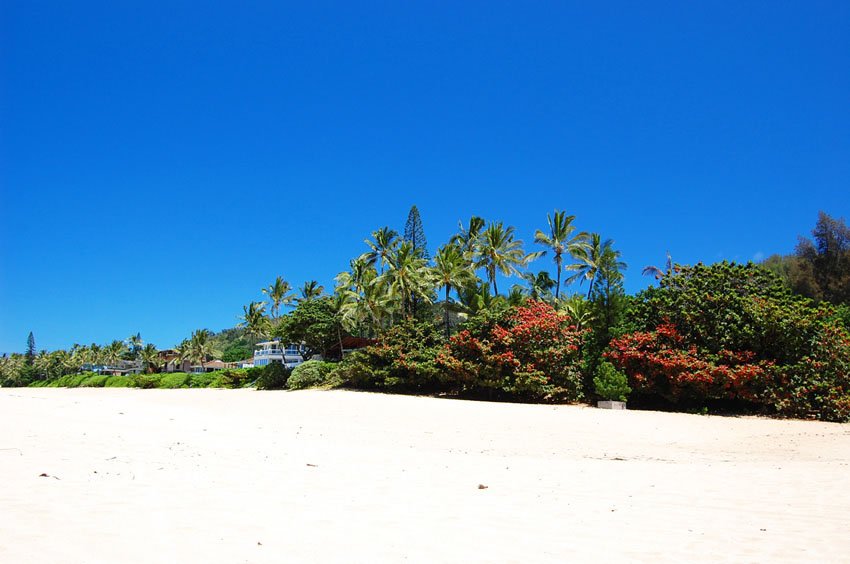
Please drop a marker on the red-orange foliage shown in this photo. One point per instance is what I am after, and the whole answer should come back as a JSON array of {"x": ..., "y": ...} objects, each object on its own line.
[
  {"x": 531, "y": 351},
  {"x": 660, "y": 362}
]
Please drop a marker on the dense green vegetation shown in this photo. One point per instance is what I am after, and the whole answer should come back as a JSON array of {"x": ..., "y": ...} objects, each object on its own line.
[{"x": 769, "y": 338}]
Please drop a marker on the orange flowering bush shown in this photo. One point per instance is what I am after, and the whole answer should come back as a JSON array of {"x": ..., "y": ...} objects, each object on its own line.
[{"x": 530, "y": 351}]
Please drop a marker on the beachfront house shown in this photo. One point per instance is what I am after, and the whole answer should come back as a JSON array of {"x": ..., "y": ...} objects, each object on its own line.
[{"x": 273, "y": 352}]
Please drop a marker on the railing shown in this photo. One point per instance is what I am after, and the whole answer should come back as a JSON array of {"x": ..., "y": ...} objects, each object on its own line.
[{"x": 276, "y": 352}]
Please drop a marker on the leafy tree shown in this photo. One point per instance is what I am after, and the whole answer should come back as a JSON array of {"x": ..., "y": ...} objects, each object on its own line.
[
  {"x": 452, "y": 271},
  {"x": 384, "y": 242},
  {"x": 150, "y": 358},
  {"x": 560, "y": 240},
  {"x": 113, "y": 352},
  {"x": 315, "y": 324},
  {"x": 310, "y": 291},
  {"x": 408, "y": 277},
  {"x": 540, "y": 286},
  {"x": 200, "y": 348},
  {"x": 656, "y": 272},
  {"x": 499, "y": 252},
  {"x": 414, "y": 233},
  {"x": 134, "y": 344},
  {"x": 589, "y": 260},
  {"x": 823, "y": 271},
  {"x": 254, "y": 320},
  {"x": 467, "y": 237},
  {"x": 30, "y": 354},
  {"x": 279, "y": 294}
]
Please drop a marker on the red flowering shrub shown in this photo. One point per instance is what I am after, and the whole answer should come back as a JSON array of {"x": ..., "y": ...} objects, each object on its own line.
[
  {"x": 660, "y": 363},
  {"x": 531, "y": 351}
]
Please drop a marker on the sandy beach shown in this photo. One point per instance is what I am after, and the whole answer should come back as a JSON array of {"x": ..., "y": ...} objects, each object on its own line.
[{"x": 121, "y": 475}]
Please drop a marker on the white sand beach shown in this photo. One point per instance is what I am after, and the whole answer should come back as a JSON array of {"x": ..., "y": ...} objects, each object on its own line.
[{"x": 245, "y": 476}]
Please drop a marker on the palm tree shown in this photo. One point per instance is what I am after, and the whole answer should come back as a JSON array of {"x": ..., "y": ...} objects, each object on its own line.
[
  {"x": 590, "y": 259},
  {"x": 199, "y": 347},
  {"x": 254, "y": 320},
  {"x": 579, "y": 309},
  {"x": 498, "y": 251},
  {"x": 385, "y": 242},
  {"x": 408, "y": 277},
  {"x": 279, "y": 294},
  {"x": 113, "y": 352},
  {"x": 452, "y": 270},
  {"x": 560, "y": 241},
  {"x": 540, "y": 285},
  {"x": 657, "y": 272},
  {"x": 134, "y": 343},
  {"x": 150, "y": 358},
  {"x": 467, "y": 237},
  {"x": 310, "y": 291}
]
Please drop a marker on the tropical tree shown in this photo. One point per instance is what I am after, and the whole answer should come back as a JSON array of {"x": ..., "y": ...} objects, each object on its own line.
[
  {"x": 589, "y": 260},
  {"x": 656, "y": 272},
  {"x": 540, "y": 286},
  {"x": 254, "y": 320},
  {"x": 383, "y": 243},
  {"x": 279, "y": 294},
  {"x": 134, "y": 344},
  {"x": 408, "y": 277},
  {"x": 113, "y": 352},
  {"x": 200, "y": 347},
  {"x": 150, "y": 358},
  {"x": 467, "y": 237},
  {"x": 560, "y": 240},
  {"x": 499, "y": 252},
  {"x": 452, "y": 270},
  {"x": 414, "y": 233},
  {"x": 310, "y": 291}
]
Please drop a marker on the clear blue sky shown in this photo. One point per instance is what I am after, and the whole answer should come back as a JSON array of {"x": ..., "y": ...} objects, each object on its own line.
[{"x": 160, "y": 163}]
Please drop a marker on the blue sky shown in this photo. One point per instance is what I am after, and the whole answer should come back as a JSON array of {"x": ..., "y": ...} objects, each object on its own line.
[{"x": 160, "y": 163}]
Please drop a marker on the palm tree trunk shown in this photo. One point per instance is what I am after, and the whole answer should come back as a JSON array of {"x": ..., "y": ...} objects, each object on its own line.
[
  {"x": 590, "y": 288},
  {"x": 448, "y": 289},
  {"x": 558, "y": 287}
]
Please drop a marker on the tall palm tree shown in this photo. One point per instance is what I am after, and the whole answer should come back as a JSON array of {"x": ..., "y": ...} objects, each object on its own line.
[
  {"x": 560, "y": 240},
  {"x": 384, "y": 243},
  {"x": 499, "y": 252},
  {"x": 590, "y": 259},
  {"x": 467, "y": 237},
  {"x": 657, "y": 272},
  {"x": 254, "y": 320},
  {"x": 150, "y": 358},
  {"x": 310, "y": 291},
  {"x": 113, "y": 352},
  {"x": 408, "y": 277},
  {"x": 540, "y": 285},
  {"x": 279, "y": 294},
  {"x": 200, "y": 347},
  {"x": 452, "y": 270},
  {"x": 134, "y": 344}
]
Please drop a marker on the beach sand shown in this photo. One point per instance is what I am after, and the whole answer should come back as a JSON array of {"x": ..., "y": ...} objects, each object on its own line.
[{"x": 246, "y": 476}]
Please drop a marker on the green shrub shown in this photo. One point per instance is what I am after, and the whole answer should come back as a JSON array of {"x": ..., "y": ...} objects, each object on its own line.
[
  {"x": 174, "y": 380},
  {"x": 145, "y": 381},
  {"x": 118, "y": 382},
  {"x": 234, "y": 377},
  {"x": 610, "y": 383},
  {"x": 404, "y": 359},
  {"x": 205, "y": 379},
  {"x": 310, "y": 374},
  {"x": 273, "y": 377},
  {"x": 94, "y": 381}
]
